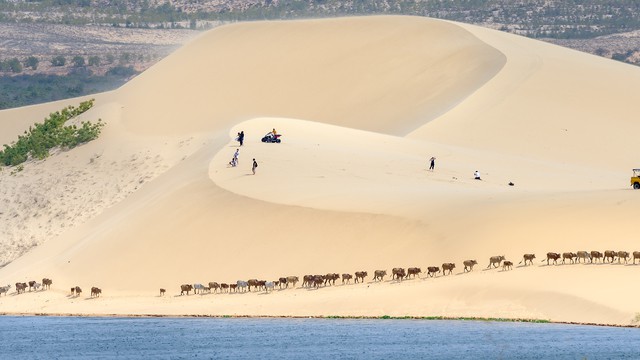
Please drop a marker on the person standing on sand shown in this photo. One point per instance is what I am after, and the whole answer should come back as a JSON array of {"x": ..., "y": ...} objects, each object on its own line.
[
  {"x": 476, "y": 175},
  {"x": 255, "y": 165},
  {"x": 433, "y": 163},
  {"x": 235, "y": 157},
  {"x": 241, "y": 137}
]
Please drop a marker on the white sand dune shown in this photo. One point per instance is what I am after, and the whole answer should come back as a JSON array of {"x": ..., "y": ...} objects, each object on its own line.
[{"x": 362, "y": 104}]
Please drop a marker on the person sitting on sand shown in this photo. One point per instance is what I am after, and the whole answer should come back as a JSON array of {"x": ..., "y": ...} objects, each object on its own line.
[{"x": 476, "y": 175}]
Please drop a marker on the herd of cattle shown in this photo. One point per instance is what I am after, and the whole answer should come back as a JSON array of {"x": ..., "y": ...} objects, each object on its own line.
[{"x": 397, "y": 274}]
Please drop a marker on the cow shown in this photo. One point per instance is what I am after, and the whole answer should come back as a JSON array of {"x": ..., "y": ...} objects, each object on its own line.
[
  {"x": 162, "y": 291},
  {"x": 282, "y": 282},
  {"x": 198, "y": 288},
  {"x": 318, "y": 280},
  {"x": 292, "y": 280},
  {"x": 331, "y": 278},
  {"x": 596, "y": 255},
  {"x": 95, "y": 292},
  {"x": 241, "y": 285},
  {"x": 636, "y": 255},
  {"x": 224, "y": 287},
  {"x": 448, "y": 266},
  {"x": 414, "y": 271},
  {"x": 307, "y": 280},
  {"x": 347, "y": 278},
  {"x": 185, "y": 288},
  {"x": 568, "y": 255},
  {"x": 360, "y": 275},
  {"x": 46, "y": 283},
  {"x": 527, "y": 257},
  {"x": 32, "y": 284},
  {"x": 495, "y": 261},
  {"x": 73, "y": 291},
  {"x": 584, "y": 255},
  {"x": 269, "y": 285},
  {"x": 552, "y": 256},
  {"x": 21, "y": 287},
  {"x": 610, "y": 254},
  {"x": 507, "y": 265},
  {"x": 5, "y": 290},
  {"x": 398, "y": 273},
  {"x": 214, "y": 286},
  {"x": 623, "y": 255},
  {"x": 469, "y": 264},
  {"x": 233, "y": 287},
  {"x": 78, "y": 291},
  {"x": 252, "y": 282},
  {"x": 379, "y": 275},
  {"x": 36, "y": 286},
  {"x": 432, "y": 270}
]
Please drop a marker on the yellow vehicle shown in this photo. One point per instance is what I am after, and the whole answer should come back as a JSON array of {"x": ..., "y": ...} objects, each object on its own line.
[{"x": 635, "y": 180}]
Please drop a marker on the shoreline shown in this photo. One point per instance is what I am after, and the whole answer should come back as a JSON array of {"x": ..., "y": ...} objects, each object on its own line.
[{"x": 319, "y": 317}]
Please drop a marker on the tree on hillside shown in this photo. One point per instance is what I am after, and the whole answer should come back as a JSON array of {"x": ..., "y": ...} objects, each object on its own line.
[
  {"x": 94, "y": 60},
  {"x": 31, "y": 62},
  {"x": 14, "y": 65},
  {"x": 78, "y": 61},
  {"x": 58, "y": 61}
]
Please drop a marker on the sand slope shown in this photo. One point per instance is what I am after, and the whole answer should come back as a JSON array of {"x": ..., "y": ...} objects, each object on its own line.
[{"x": 362, "y": 103}]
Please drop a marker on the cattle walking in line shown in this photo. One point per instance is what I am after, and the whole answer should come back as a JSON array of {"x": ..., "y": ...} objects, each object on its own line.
[
  {"x": 185, "y": 288},
  {"x": 379, "y": 275},
  {"x": 448, "y": 267},
  {"x": 610, "y": 254},
  {"x": 46, "y": 283},
  {"x": 527, "y": 258},
  {"x": 162, "y": 291},
  {"x": 347, "y": 278},
  {"x": 414, "y": 271},
  {"x": 583, "y": 255},
  {"x": 495, "y": 261},
  {"x": 507, "y": 265},
  {"x": 552, "y": 256},
  {"x": 433, "y": 270},
  {"x": 360, "y": 275},
  {"x": 595, "y": 256},
  {"x": 468, "y": 264},
  {"x": 568, "y": 255}
]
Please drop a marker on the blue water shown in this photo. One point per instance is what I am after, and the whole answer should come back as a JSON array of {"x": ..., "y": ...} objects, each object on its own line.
[{"x": 164, "y": 338}]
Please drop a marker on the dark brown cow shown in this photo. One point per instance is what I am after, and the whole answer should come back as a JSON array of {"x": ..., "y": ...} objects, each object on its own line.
[
  {"x": 331, "y": 278},
  {"x": 21, "y": 287},
  {"x": 46, "y": 283},
  {"x": 360, "y": 275},
  {"x": 448, "y": 266},
  {"x": 73, "y": 291},
  {"x": 469, "y": 264},
  {"x": 95, "y": 291},
  {"x": 32, "y": 284},
  {"x": 623, "y": 255},
  {"x": 318, "y": 280},
  {"x": 610, "y": 254},
  {"x": 347, "y": 278},
  {"x": 252, "y": 282},
  {"x": 379, "y": 275},
  {"x": 414, "y": 271},
  {"x": 224, "y": 287},
  {"x": 432, "y": 270},
  {"x": 162, "y": 291},
  {"x": 307, "y": 281},
  {"x": 552, "y": 256},
  {"x": 507, "y": 265},
  {"x": 595, "y": 256},
  {"x": 233, "y": 287},
  {"x": 495, "y": 261},
  {"x": 527, "y": 257},
  {"x": 185, "y": 288},
  {"x": 636, "y": 255},
  {"x": 282, "y": 282},
  {"x": 398, "y": 273},
  {"x": 78, "y": 291},
  {"x": 570, "y": 256}
]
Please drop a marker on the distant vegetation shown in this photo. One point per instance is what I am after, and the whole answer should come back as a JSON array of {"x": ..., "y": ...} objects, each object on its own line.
[
  {"x": 535, "y": 18},
  {"x": 21, "y": 90},
  {"x": 42, "y": 137}
]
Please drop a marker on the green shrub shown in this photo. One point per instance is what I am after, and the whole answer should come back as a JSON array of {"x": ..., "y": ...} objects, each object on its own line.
[{"x": 42, "y": 137}]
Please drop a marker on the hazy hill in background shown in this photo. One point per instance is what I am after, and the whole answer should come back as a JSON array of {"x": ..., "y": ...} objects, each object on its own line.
[{"x": 55, "y": 49}]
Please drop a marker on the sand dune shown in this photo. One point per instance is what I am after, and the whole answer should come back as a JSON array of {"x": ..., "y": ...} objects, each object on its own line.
[{"x": 362, "y": 104}]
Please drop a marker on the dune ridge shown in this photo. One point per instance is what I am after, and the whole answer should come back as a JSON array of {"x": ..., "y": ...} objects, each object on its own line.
[{"x": 362, "y": 104}]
